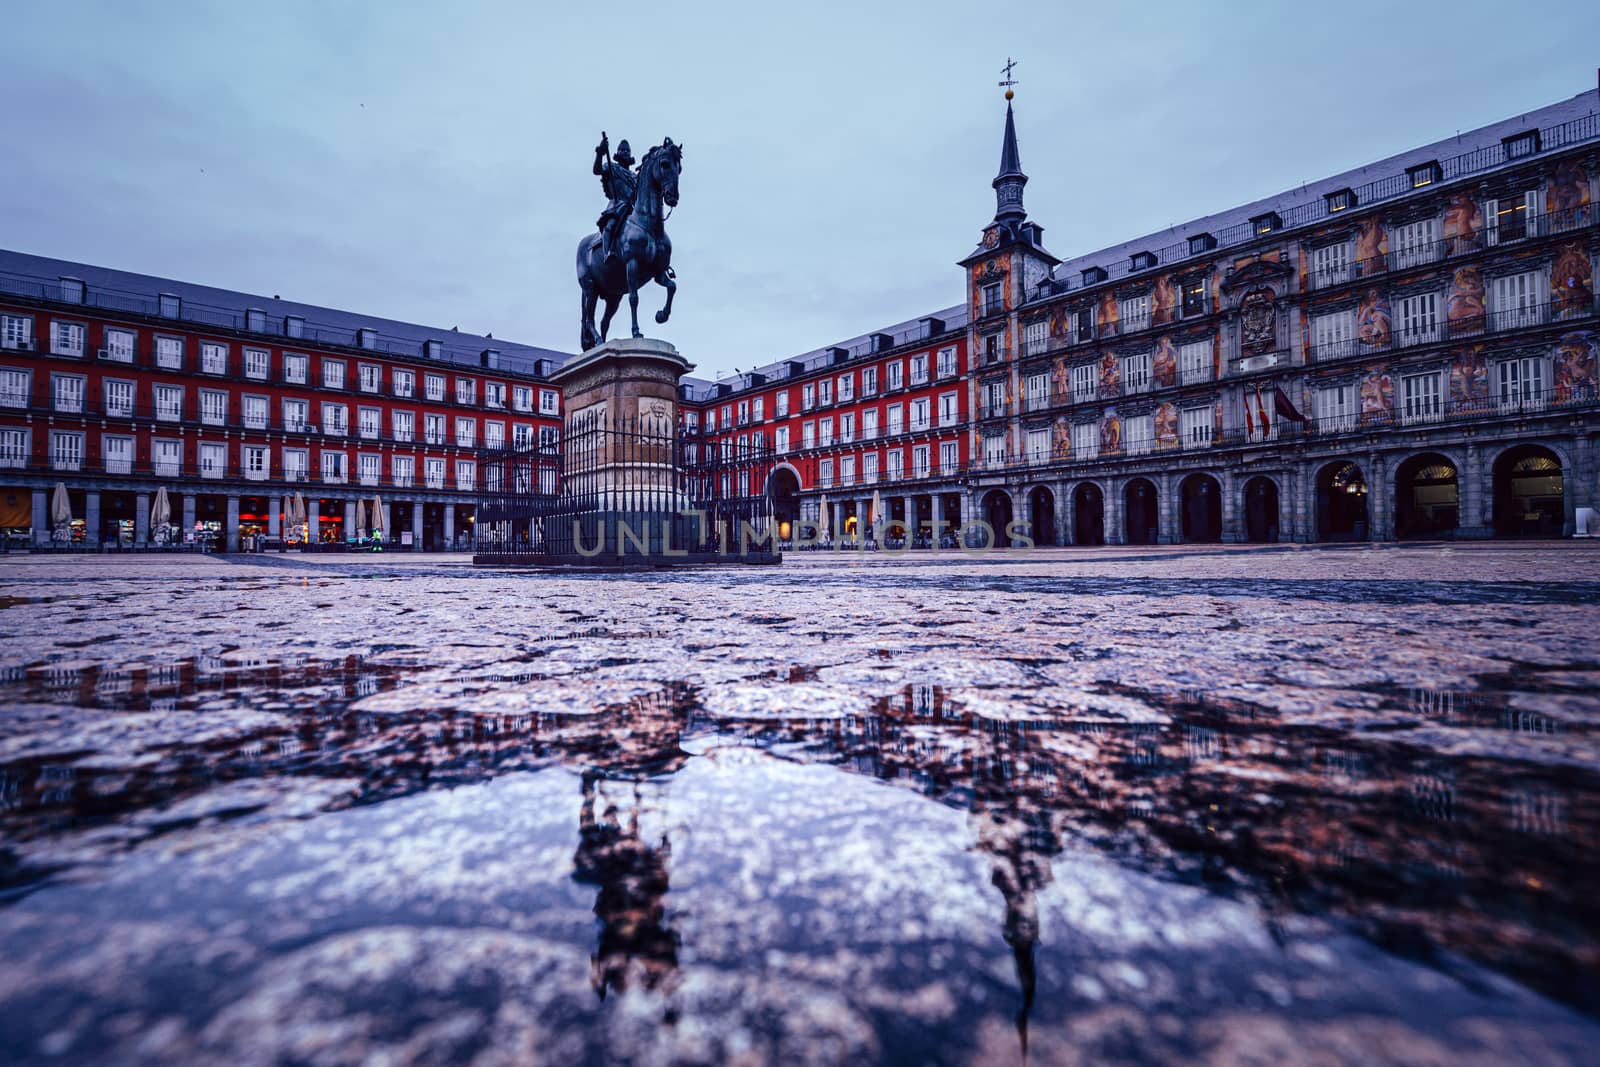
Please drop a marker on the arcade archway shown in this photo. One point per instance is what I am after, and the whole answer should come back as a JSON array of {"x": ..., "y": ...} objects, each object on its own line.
[
  {"x": 996, "y": 510},
  {"x": 783, "y": 487},
  {"x": 1201, "y": 500},
  {"x": 1088, "y": 515},
  {"x": 1140, "y": 513},
  {"x": 1341, "y": 503},
  {"x": 1427, "y": 500},
  {"x": 1261, "y": 516},
  {"x": 1042, "y": 516},
  {"x": 1529, "y": 493}
]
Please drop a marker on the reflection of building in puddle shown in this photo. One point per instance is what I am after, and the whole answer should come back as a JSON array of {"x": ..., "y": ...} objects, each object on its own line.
[{"x": 1537, "y": 812}]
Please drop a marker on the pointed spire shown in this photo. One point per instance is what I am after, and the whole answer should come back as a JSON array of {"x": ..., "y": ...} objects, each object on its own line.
[{"x": 1009, "y": 182}]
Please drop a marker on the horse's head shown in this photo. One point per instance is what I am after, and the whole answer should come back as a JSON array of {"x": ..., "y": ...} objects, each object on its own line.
[{"x": 662, "y": 164}]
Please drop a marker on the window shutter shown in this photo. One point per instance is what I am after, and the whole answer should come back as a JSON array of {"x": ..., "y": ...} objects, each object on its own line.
[
  {"x": 1491, "y": 215},
  {"x": 1531, "y": 205}
]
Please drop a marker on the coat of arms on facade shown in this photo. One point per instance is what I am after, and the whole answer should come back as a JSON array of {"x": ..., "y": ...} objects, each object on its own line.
[{"x": 1260, "y": 320}]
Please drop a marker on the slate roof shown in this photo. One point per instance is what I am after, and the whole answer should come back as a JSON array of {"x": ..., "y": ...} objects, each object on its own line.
[
  {"x": 1470, "y": 152},
  {"x": 23, "y": 274}
]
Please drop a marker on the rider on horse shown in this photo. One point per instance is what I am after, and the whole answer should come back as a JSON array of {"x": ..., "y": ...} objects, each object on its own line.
[{"x": 618, "y": 181}]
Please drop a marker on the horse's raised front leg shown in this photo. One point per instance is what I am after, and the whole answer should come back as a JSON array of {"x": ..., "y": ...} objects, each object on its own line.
[
  {"x": 605, "y": 319},
  {"x": 634, "y": 281},
  {"x": 664, "y": 279}
]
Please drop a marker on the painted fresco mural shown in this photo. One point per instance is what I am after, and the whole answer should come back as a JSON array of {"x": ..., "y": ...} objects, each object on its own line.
[
  {"x": 1061, "y": 379},
  {"x": 1061, "y": 439},
  {"x": 1374, "y": 322},
  {"x": 1568, "y": 195},
  {"x": 1110, "y": 433},
  {"x": 1469, "y": 379},
  {"x": 1105, "y": 314},
  {"x": 1377, "y": 395},
  {"x": 1164, "y": 363},
  {"x": 1060, "y": 324},
  {"x": 1163, "y": 302},
  {"x": 1216, "y": 423},
  {"x": 1463, "y": 222},
  {"x": 1110, "y": 378},
  {"x": 1372, "y": 248},
  {"x": 1572, "y": 281},
  {"x": 1464, "y": 308},
  {"x": 1166, "y": 425},
  {"x": 1575, "y": 366}
]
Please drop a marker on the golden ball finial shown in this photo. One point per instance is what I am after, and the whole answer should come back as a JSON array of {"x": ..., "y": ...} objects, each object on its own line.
[{"x": 1009, "y": 94}]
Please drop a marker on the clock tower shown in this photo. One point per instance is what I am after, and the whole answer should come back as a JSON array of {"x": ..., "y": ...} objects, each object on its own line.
[{"x": 1007, "y": 269}]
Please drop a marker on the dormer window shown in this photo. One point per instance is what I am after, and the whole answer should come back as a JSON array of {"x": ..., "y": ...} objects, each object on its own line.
[
  {"x": 1092, "y": 275},
  {"x": 294, "y": 326},
  {"x": 1425, "y": 173},
  {"x": 1201, "y": 242},
  {"x": 71, "y": 291},
  {"x": 1521, "y": 145},
  {"x": 255, "y": 320},
  {"x": 1143, "y": 260},
  {"x": 169, "y": 305},
  {"x": 1271, "y": 222},
  {"x": 367, "y": 338},
  {"x": 1340, "y": 200},
  {"x": 432, "y": 349}
]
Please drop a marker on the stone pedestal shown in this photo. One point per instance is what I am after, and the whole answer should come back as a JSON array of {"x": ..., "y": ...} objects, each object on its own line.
[{"x": 623, "y": 500}]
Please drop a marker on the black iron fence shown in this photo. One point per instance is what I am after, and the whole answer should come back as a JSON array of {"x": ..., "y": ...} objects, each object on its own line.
[{"x": 633, "y": 492}]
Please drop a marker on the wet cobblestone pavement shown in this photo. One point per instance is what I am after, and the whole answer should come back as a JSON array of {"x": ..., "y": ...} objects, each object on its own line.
[{"x": 1230, "y": 806}]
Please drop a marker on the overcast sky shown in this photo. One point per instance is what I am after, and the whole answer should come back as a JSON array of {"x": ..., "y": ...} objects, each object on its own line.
[{"x": 430, "y": 161}]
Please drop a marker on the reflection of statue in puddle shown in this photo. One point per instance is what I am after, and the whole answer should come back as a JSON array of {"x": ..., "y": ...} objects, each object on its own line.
[
  {"x": 632, "y": 880},
  {"x": 628, "y": 754},
  {"x": 1017, "y": 836}
]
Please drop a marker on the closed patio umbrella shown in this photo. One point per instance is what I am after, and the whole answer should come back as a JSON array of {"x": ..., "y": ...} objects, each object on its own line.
[
  {"x": 301, "y": 516},
  {"x": 822, "y": 521},
  {"x": 161, "y": 508},
  {"x": 61, "y": 512},
  {"x": 361, "y": 520},
  {"x": 877, "y": 513},
  {"x": 378, "y": 525}
]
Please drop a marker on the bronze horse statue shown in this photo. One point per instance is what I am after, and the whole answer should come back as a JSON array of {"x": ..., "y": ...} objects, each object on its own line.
[{"x": 644, "y": 250}]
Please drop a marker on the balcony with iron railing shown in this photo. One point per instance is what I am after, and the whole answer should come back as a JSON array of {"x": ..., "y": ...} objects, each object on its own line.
[
  {"x": 1422, "y": 254},
  {"x": 1558, "y": 313}
]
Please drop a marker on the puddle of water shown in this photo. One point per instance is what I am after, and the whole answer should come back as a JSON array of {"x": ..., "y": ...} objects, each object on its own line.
[{"x": 561, "y": 851}]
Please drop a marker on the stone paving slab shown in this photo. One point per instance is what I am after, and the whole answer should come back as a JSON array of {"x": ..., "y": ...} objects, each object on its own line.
[{"x": 1232, "y": 803}]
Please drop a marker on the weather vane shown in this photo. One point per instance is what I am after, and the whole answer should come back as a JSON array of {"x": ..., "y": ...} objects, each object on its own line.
[{"x": 1009, "y": 81}]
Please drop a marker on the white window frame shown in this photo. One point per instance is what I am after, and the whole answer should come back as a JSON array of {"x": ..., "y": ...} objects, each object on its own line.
[
  {"x": 1138, "y": 434},
  {"x": 1418, "y": 318},
  {"x": 1196, "y": 426},
  {"x": 16, "y": 387},
  {"x": 67, "y": 393},
  {"x": 1333, "y": 335},
  {"x": 116, "y": 451},
  {"x": 119, "y": 345},
  {"x": 296, "y": 368},
  {"x": 333, "y": 373},
  {"x": 402, "y": 383},
  {"x": 67, "y": 338},
  {"x": 120, "y": 397},
  {"x": 212, "y": 457},
  {"x": 1194, "y": 362},
  {"x": 66, "y": 450},
  {"x": 1133, "y": 313},
  {"x": 16, "y": 332},
  {"x": 214, "y": 407},
  {"x": 1085, "y": 382},
  {"x": 296, "y": 415},
  {"x": 1330, "y": 265},
  {"x": 1085, "y": 441},
  {"x": 213, "y": 357},
  {"x": 1136, "y": 373},
  {"x": 1421, "y": 397}
]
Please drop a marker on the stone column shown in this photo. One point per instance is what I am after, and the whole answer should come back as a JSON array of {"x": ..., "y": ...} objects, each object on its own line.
[
  {"x": 1302, "y": 506},
  {"x": 141, "y": 518},
  {"x": 1111, "y": 513},
  {"x": 388, "y": 528},
  {"x": 274, "y": 519},
  {"x": 416, "y": 525},
  {"x": 1064, "y": 513},
  {"x": 937, "y": 515},
  {"x": 1171, "y": 532},
  {"x": 41, "y": 516},
  {"x": 1476, "y": 509},
  {"x": 188, "y": 516},
  {"x": 449, "y": 527},
  {"x": 349, "y": 518},
  {"x": 1380, "y": 500},
  {"x": 91, "y": 518},
  {"x": 314, "y": 521},
  {"x": 231, "y": 526},
  {"x": 1233, "y": 531}
]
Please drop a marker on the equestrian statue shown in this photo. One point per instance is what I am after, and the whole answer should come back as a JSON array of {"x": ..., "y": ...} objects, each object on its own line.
[{"x": 630, "y": 246}]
